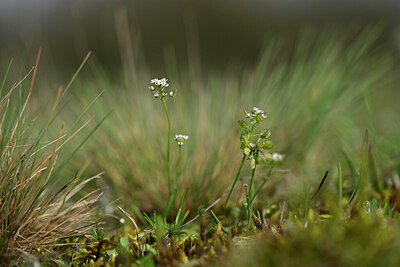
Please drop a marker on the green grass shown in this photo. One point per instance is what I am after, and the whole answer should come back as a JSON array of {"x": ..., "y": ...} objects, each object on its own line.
[
  {"x": 321, "y": 94},
  {"x": 38, "y": 209}
]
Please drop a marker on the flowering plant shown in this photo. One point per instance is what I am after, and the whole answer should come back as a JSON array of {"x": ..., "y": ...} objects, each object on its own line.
[
  {"x": 252, "y": 145},
  {"x": 159, "y": 89},
  {"x": 180, "y": 139}
]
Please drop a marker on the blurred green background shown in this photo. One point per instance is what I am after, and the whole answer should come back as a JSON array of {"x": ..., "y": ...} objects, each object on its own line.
[{"x": 221, "y": 32}]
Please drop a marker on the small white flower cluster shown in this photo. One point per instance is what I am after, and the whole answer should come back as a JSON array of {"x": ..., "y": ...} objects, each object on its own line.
[
  {"x": 276, "y": 157},
  {"x": 256, "y": 112},
  {"x": 180, "y": 139},
  {"x": 161, "y": 88}
]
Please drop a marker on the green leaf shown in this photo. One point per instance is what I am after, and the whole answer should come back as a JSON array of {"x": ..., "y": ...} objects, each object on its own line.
[
  {"x": 148, "y": 219},
  {"x": 124, "y": 242},
  {"x": 244, "y": 139},
  {"x": 266, "y": 134},
  {"x": 267, "y": 145},
  {"x": 178, "y": 219},
  {"x": 93, "y": 233},
  {"x": 217, "y": 221},
  {"x": 253, "y": 163},
  {"x": 200, "y": 210},
  {"x": 152, "y": 251},
  {"x": 146, "y": 261},
  {"x": 242, "y": 124}
]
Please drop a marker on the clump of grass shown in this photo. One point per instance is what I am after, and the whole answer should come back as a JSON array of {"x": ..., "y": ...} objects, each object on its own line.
[{"x": 37, "y": 208}]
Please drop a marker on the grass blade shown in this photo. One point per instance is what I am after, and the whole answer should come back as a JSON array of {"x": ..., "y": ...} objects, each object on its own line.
[{"x": 340, "y": 184}]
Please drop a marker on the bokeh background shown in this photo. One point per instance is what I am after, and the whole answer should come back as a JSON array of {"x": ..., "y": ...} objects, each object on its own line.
[{"x": 221, "y": 32}]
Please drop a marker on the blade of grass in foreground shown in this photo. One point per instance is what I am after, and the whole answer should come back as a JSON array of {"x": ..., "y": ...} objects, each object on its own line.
[
  {"x": 373, "y": 172},
  {"x": 235, "y": 181},
  {"x": 5, "y": 77},
  {"x": 340, "y": 184},
  {"x": 81, "y": 143},
  {"x": 361, "y": 178},
  {"x": 178, "y": 219},
  {"x": 320, "y": 185},
  {"x": 170, "y": 203}
]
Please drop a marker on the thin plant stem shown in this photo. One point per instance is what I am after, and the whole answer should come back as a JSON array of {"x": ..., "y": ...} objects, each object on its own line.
[
  {"x": 251, "y": 201},
  {"x": 168, "y": 145},
  {"x": 236, "y": 179},
  {"x": 251, "y": 132},
  {"x": 240, "y": 169},
  {"x": 250, "y": 196},
  {"x": 178, "y": 165},
  {"x": 256, "y": 193}
]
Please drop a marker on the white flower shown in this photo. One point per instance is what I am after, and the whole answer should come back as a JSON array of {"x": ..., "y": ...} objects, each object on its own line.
[
  {"x": 180, "y": 139},
  {"x": 159, "y": 88},
  {"x": 276, "y": 157},
  {"x": 255, "y": 112},
  {"x": 163, "y": 82}
]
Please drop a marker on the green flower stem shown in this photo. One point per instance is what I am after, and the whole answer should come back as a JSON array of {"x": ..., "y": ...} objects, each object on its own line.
[
  {"x": 249, "y": 205},
  {"x": 178, "y": 165},
  {"x": 240, "y": 169},
  {"x": 250, "y": 197},
  {"x": 255, "y": 194},
  {"x": 246, "y": 209},
  {"x": 258, "y": 191},
  {"x": 251, "y": 132},
  {"x": 168, "y": 146},
  {"x": 236, "y": 178}
]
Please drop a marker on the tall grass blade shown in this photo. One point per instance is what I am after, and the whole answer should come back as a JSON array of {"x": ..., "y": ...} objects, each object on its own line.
[
  {"x": 361, "y": 177},
  {"x": 340, "y": 184}
]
